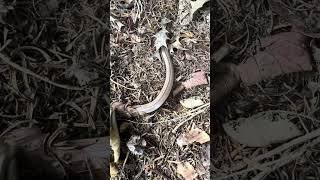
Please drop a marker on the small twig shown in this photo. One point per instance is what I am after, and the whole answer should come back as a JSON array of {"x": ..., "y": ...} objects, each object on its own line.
[
  {"x": 122, "y": 85},
  {"x": 285, "y": 146},
  {"x": 27, "y": 71},
  {"x": 290, "y": 158},
  {"x": 12, "y": 116},
  {"x": 191, "y": 117},
  {"x": 266, "y": 165}
]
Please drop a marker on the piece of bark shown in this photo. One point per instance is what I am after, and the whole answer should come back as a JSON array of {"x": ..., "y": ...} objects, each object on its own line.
[{"x": 197, "y": 79}]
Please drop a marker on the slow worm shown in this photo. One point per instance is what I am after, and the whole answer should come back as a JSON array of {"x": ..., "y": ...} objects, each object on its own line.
[
  {"x": 166, "y": 89},
  {"x": 162, "y": 96}
]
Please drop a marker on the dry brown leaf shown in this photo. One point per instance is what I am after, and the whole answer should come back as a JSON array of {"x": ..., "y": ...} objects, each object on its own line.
[
  {"x": 191, "y": 102},
  {"x": 255, "y": 131},
  {"x": 198, "y": 78},
  {"x": 195, "y": 135},
  {"x": 186, "y": 170},
  {"x": 281, "y": 54},
  {"x": 176, "y": 45}
]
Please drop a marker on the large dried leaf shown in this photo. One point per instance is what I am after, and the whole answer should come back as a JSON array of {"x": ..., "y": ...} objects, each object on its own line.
[
  {"x": 161, "y": 39},
  {"x": 281, "y": 54},
  {"x": 195, "y": 135},
  {"x": 192, "y": 102},
  {"x": 262, "y": 129},
  {"x": 186, "y": 170},
  {"x": 198, "y": 78}
]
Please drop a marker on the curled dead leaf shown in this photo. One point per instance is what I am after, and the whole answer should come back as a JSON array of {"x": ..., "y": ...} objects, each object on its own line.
[
  {"x": 176, "y": 45},
  {"x": 186, "y": 170},
  {"x": 192, "y": 102},
  {"x": 255, "y": 131},
  {"x": 195, "y": 135},
  {"x": 187, "y": 34},
  {"x": 198, "y": 78}
]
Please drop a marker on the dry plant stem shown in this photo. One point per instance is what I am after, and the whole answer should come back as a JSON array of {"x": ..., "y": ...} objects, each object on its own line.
[
  {"x": 266, "y": 165},
  {"x": 285, "y": 146},
  {"x": 293, "y": 156},
  {"x": 189, "y": 118},
  {"x": 196, "y": 111},
  {"x": 278, "y": 150},
  {"x": 27, "y": 71},
  {"x": 275, "y": 164}
]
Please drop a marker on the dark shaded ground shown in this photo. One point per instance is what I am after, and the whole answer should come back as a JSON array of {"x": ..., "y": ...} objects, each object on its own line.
[
  {"x": 242, "y": 24},
  {"x": 54, "y": 67}
]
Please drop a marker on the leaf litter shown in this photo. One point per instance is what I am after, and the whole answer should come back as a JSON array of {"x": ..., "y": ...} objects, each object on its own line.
[
  {"x": 194, "y": 135},
  {"x": 40, "y": 42},
  {"x": 186, "y": 170},
  {"x": 140, "y": 78}
]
